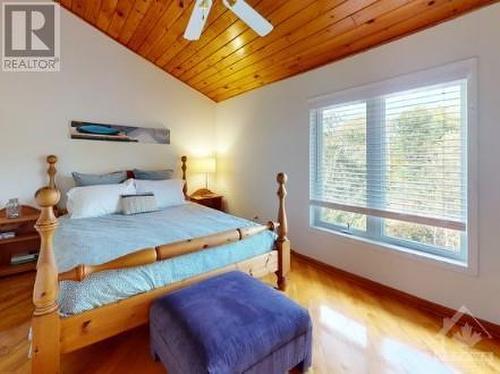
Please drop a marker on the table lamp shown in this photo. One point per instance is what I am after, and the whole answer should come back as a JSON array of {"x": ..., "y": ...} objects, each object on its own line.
[{"x": 205, "y": 166}]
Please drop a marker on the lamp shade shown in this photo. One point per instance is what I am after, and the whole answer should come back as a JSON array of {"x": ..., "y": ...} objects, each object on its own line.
[{"x": 203, "y": 165}]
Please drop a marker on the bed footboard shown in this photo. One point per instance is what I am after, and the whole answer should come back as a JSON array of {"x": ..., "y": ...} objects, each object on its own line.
[{"x": 80, "y": 330}]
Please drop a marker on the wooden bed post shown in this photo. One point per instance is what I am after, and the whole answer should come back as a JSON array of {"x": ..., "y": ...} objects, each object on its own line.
[
  {"x": 183, "y": 168},
  {"x": 52, "y": 171},
  {"x": 45, "y": 346},
  {"x": 282, "y": 243}
]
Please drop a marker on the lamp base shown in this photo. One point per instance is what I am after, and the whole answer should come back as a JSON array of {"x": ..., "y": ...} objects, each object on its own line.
[{"x": 203, "y": 192}]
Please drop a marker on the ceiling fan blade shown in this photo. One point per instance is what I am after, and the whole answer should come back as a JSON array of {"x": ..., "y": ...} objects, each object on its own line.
[
  {"x": 250, "y": 16},
  {"x": 198, "y": 19}
]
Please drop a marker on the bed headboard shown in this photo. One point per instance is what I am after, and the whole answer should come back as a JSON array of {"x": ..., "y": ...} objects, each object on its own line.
[{"x": 68, "y": 181}]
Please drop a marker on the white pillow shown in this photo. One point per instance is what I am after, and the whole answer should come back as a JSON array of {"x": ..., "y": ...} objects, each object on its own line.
[
  {"x": 168, "y": 192},
  {"x": 98, "y": 200}
]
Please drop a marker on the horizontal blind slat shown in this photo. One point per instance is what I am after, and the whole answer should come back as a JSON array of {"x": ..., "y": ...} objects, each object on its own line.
[{"x": 421, "y": 172}]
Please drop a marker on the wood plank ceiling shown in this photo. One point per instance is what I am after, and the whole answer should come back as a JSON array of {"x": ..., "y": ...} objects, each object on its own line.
[{"x": 230, "y": 59}]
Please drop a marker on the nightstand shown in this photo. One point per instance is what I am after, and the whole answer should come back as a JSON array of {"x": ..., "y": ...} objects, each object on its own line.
[
  {"x": 18, "y": 254},
  {"x": 213, "y": 201}
]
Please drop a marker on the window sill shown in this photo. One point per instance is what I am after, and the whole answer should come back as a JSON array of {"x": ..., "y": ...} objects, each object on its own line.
[{"x": 443, "y": 262}]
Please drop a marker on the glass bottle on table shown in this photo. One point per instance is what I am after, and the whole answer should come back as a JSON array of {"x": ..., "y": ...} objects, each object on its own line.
[{"x": 13, "y": 209}]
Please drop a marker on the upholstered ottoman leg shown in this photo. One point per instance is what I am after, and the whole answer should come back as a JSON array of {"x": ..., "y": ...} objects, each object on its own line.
[
  {"x": 154, "y": 356},
  {"x": 307, "y": 363},
  {"x": 152, "y": 347}
]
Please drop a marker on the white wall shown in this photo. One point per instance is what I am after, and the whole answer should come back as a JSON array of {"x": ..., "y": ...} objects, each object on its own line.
[
  {"x": 266, "y": 131},
  {"x": 100, "y": 81}
]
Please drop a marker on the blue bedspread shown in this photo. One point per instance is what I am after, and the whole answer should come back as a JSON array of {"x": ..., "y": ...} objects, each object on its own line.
[{"x": 97, "y": 240}]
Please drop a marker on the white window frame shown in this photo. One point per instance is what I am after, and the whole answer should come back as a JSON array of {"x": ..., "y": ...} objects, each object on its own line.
[{"x": 466, "y": 69}]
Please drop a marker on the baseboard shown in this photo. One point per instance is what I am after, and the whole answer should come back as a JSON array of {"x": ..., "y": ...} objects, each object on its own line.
[{"x": 417, "y": 302}]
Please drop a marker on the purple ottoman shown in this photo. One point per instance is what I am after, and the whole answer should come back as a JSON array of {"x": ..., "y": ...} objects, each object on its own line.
[{"x": 231, "y": 323}]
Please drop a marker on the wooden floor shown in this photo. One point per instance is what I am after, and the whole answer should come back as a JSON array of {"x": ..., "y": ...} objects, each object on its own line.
[{"x": 355, "y": 331}]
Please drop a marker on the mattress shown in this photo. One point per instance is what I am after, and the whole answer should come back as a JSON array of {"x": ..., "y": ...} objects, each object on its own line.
[{"x": 94, "y": 241}]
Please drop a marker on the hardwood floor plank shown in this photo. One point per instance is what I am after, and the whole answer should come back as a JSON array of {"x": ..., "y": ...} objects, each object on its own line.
[
  {"x": 355, "y": 330},
  {"x": 15, "y": 300}
]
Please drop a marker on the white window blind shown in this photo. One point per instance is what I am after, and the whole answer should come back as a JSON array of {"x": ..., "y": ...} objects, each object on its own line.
[{"x": 398, "y": 157}]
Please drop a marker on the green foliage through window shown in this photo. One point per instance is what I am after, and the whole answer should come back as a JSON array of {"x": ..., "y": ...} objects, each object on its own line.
[{"x": 404, "y": 154}]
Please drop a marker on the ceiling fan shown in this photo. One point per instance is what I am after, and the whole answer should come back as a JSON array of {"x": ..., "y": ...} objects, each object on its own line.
[{"x": 239, "y": 7}]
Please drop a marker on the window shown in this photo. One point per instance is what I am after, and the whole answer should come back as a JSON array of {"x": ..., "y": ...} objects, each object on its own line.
[{"x": 392, "y": 167}]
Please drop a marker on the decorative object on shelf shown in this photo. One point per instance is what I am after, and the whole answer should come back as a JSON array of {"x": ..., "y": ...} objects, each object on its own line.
[
  {"x": 118, "y": 133},
  {"x": 204, "y": 166},
  {"x": 19, "y": 242},
  {"x": 13, "y": 209},
  {"x": 23, "y": 259},
  {"x": 240, "y": 8},
  {"x": 7, "y": 235}
]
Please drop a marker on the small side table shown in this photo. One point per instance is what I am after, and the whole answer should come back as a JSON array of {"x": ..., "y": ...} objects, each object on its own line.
[
  {"x": 16, "y": 254},
  {"x": 213, "y": 201}
]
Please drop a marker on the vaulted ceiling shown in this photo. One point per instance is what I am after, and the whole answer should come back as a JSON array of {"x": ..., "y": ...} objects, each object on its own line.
[{"x": 230, "y": 58}]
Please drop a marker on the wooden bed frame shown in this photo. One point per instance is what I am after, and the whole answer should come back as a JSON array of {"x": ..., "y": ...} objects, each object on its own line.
[{"x": 53, "y": 334}]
